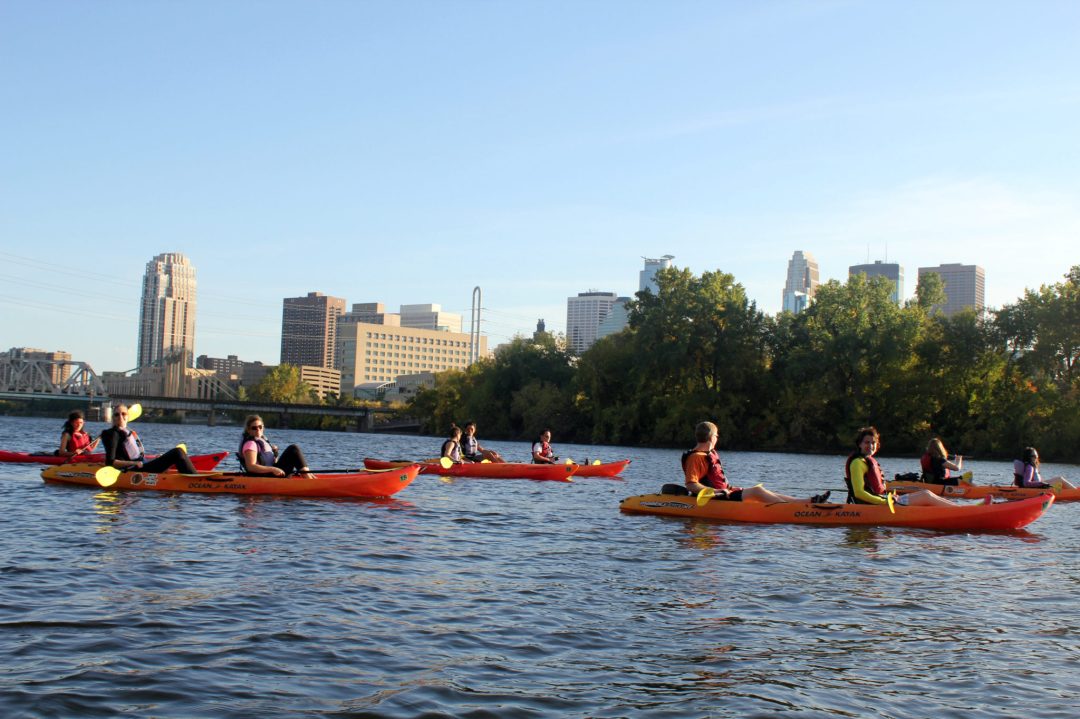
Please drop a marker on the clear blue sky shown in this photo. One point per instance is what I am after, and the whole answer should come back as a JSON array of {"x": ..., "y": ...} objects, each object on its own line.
[{"x": 405, "y": 152}]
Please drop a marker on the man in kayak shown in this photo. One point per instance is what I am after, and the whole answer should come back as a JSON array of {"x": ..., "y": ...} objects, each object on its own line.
[
  {"x": 866, "y": 482},
  {"x": 124, "y": 450},
  {"x": 542, "y": 453},
  {"x": 73, "y": 439},
  {"x": 702, "y": 469}
]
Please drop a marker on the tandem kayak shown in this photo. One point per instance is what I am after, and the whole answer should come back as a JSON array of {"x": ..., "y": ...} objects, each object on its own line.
[
  {"x": 488, "y": 470},
  {"x": 608, "y": 469},
  {"x": 202, "y": 462},
  {"x": 350, "y": 483},
  {"x": 964, "y": 518},
  {"x": 980, "y": 491}
]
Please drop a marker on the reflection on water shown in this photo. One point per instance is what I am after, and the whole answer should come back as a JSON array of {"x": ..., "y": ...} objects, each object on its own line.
[{"x": 514, "y": 598}]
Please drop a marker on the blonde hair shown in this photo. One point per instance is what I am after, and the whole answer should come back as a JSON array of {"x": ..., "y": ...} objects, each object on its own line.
[{"x": 936, "y": 449}]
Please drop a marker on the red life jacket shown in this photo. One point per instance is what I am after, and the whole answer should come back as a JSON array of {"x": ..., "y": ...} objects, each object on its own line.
[
  {"x": 933, "y": 469},
  {"x": 79, "y": 440},
  {"x": 873, "y": 480},
  {"x": 715, "y": 477}
]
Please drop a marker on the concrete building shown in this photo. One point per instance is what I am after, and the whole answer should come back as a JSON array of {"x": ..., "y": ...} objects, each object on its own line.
[
  {"x": 889, "y": 270},
  {"x": 584, "y": 314},
  {"x": 965, "y": 287},
  {"x": 56, "y": 366},
  {"x": 802, "y": 282},
  {"x": 430, "y": 317},
  {"x": 372, "y": 313},
  {"x": 382, "y": 353},
  {"x": 324, "y": 380},
  {"x": 167, "y": 312},
  {"x": 309, "y": 329},
  {"x": 647, "y": 276}
]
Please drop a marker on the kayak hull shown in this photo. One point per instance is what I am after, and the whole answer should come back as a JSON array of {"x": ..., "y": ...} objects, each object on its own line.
[
  {"x": 202, "y": 462},
  {"x": 354, "y": 483},
  {"x": 980, "y": 491},
  {"x": 608, "y": 469},
  {"x": 488, "y": 470},
  {"x": 970, "y": 517}
]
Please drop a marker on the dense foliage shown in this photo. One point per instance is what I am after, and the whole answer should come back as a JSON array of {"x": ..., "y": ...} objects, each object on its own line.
[{"x": 699, "y": 349}]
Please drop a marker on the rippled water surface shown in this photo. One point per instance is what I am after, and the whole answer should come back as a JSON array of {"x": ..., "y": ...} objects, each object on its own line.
[{"x": 478, "y": 598}]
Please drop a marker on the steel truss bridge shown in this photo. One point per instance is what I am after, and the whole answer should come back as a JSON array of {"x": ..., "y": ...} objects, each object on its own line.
[{"x": 32, "y": 379}]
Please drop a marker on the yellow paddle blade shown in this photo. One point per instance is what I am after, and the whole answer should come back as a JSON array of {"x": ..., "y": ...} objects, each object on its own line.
[
  {"x": 107, "y": 476},
  {"x": 705, "y": 495},
  {"x": 446, "y": 462},
  {"x": 134, "y": 412},
  {"x": 965, "y": 478},
  {"x": 1057, "y": 486},
  {"x": 569, "y": 461},
  {"x": 596, "y": 462},
  {"x": 485, "y": 461},
  {"x": 182, "y": 446},
  {"x": 889, "y": 500}
]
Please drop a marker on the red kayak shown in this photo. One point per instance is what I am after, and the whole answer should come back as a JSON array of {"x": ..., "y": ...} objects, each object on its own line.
[
  {"x": 347, "y": 483},
  {"x": 487, "y": 470},
  {"x": 202, "y": 462},
  {"x": 608, "y": 469}
]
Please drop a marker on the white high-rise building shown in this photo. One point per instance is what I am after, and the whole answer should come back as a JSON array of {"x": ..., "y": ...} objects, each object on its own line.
[
  {"x": 965, "y": 287},
  {"x": 584, "y": 314},
  {"x": 430, "y": 317},
  {"x": 647, "y": 276},
  {"x": 802, "y": 282},
  {"x": 167, "y": 313}
]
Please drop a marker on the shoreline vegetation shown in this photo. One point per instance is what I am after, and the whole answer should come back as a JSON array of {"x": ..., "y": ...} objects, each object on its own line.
[{"x": 988, "y": 384}]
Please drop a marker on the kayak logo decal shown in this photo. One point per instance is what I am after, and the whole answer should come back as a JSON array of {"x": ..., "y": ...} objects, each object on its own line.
[
  {"x": 404, "y": 478},
  {"x": 679, "y": 505},
  {"x": 136, "y": 479}
]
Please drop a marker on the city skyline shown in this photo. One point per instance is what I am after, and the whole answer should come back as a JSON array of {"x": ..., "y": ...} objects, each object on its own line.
[{"x": 412, "y": 156}]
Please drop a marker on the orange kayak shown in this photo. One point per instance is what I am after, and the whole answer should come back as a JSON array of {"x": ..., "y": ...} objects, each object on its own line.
[
  {"x": 965, "y": 518},
  {"x": 609, "y": 469},
  {"x": 202, "y": 462},
  {"x": 351, "y": 483},
  {"x": 980, "y": 491},
  {"x": 488, "y": 470}
]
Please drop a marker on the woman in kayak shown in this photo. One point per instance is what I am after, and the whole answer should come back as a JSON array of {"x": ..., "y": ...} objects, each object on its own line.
[
  {"x": 451, "y": 448},
  {"x": 702, "y": 469},
  {"x": 124, "y": 449},
  {"x": 73, "y": 439},
  {"x": 259, "y": 457},
  {"x": 1026, "y": 472},
  {"x": 542, "y": 453},
  {"x": 471, "y": 448},
  {"x": 936, "y": 465},
  {"x": 866, "y": 482}
]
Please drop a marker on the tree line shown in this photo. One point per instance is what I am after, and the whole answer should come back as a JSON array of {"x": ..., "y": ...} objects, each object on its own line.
[{"x": 698, "y": 349}]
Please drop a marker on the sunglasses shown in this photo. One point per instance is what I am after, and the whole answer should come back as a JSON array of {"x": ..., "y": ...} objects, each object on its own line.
[{"x": 255, "y": 426}]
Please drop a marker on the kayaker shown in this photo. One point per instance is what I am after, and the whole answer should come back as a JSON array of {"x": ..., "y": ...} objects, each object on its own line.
[
  {"x": 124, "y": 450},
  {"x": 702, "y": 468},
  {"x": 542, "y": 453},
  {"x": 73, "y": 439},
  {"x": 471, "y": 449},
  {"x": 936, "y": 467},
  {"x": 866, "y": 482},
  {"x": 259, "y": 457},
  {"x": 451, "y": 448},
  {"x": 1026, "y": 472}
]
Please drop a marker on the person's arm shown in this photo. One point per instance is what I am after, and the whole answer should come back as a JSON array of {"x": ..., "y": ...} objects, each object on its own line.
[
  {"x": 696, "y": 468},
  {"x": 65, "y": 440},
  {"x": 955, "y": 466},
  {"x": 539, "y": 458},
  {"x": 1031, "y": 476},
  {"x": 858, "y": 484}
]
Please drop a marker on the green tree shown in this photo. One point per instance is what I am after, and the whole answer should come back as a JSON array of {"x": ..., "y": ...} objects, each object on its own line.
[{"x": 282, "y": 384}]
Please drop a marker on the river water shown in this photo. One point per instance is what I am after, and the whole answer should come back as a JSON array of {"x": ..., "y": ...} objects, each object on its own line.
[{"x": 487, "y": 598}]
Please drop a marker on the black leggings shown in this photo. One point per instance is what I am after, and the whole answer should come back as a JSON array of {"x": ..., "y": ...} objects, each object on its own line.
[
  {"x": 175, "y": 457},
  {"x": 291, "y": 460}
]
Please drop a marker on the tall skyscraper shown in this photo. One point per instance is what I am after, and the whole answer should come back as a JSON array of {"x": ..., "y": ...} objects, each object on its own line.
[
  {"x": 167, "y": 314},
  {"x": 890, "y": 270},
  {"x": 647, "y": 276},
  {"x": 802, "y": 282},
  {"x": 309, "y": 329},
  {"x": 584, "y": 314},
  {"x": 965, "y": 287}
]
